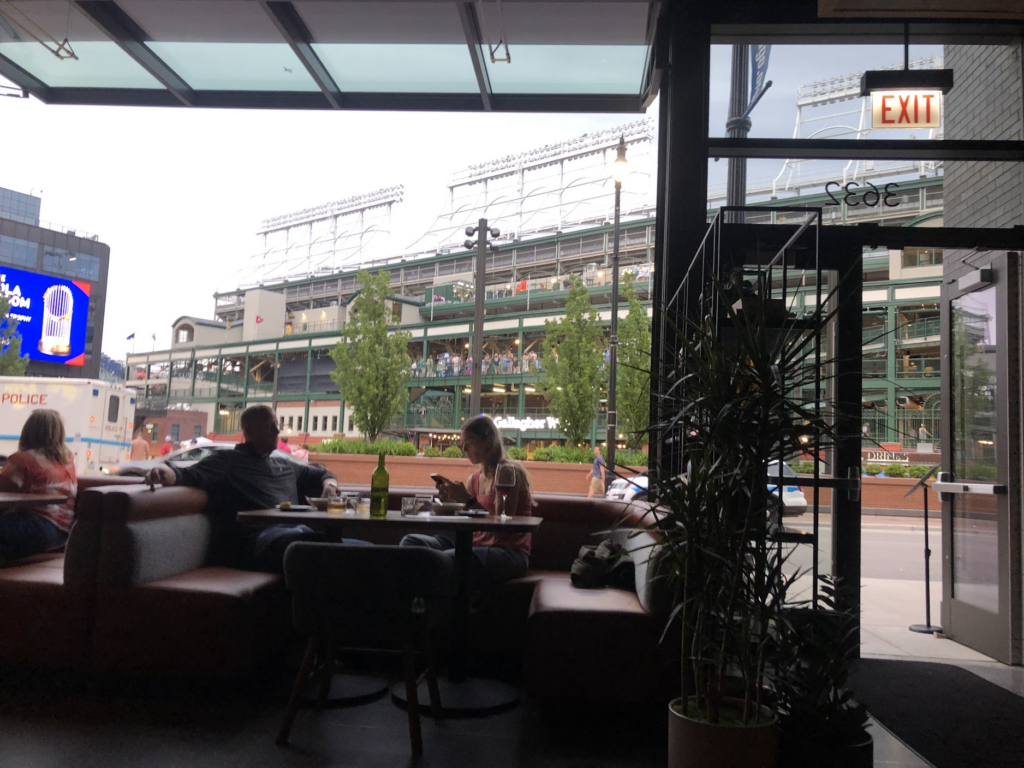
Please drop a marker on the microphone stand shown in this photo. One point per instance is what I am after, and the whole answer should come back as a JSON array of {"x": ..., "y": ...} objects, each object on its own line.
[{"x": 927, "y": 627}]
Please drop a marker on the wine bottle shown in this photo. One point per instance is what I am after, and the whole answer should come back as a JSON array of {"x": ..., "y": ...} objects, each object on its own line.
[{"x": 379, "y": 490}]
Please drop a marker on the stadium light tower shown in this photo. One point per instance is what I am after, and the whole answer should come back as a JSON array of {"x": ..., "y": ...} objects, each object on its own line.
[{"x": 619, "y": 168}]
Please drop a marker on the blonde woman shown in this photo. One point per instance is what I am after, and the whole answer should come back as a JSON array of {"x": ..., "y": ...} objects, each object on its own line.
[
  {"x": 42, "y": 464},
  {"x": 497, "y": 557}
]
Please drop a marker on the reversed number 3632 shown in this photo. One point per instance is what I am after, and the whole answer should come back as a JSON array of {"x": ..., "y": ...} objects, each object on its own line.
[{"x": 853, "y": 194}]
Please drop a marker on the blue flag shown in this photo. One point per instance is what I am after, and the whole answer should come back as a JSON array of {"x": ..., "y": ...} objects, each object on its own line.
[
  {"x": 130, "y": 337},
  {"x": 758, "y": 68}
]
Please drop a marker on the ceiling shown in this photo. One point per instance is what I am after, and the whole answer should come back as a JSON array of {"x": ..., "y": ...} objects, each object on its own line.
[{"x": 333, "y": 54}]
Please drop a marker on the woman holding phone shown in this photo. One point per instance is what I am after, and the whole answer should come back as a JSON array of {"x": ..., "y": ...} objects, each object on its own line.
[{"x": 501, "y": 486}]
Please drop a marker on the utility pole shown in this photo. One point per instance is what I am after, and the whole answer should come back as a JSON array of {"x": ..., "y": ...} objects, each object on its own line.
[{"x": 738, "y": 124}]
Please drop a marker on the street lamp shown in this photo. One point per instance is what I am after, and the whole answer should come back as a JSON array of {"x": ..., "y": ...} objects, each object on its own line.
[{"x": 618, "y": 173}]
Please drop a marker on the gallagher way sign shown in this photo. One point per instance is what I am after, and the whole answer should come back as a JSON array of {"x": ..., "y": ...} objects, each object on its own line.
[{"x": 522, "y": 425}]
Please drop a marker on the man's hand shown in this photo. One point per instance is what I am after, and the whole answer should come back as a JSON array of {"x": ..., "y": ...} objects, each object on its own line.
[
  {"x": 328, "y": 483},
  {"x": 161, "y": 475}
]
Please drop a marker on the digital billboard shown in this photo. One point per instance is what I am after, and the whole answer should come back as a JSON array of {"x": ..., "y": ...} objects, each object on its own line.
[{"x": 51, "y": 312}]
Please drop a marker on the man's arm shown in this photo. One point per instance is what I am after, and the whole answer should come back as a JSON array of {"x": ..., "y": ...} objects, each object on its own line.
[
  {"x": 206, "y": 474},
  {"x": 313, "y": 481}
]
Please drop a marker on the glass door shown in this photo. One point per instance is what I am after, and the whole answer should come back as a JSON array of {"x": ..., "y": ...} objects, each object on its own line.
[{"x": 981, "y": 453}]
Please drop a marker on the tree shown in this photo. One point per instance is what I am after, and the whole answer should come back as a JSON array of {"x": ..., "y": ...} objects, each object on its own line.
[
  {"x": 372, "y": 366},
  {"x": 633, "y": 390},
  {"x": 571, "y": 374},
  {"x": 11, "y": 361}
]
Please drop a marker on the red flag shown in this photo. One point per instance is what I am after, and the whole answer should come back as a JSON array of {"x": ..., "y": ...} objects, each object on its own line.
[
  {"x": 521, "y": 286},
  {"x": 259, "y": 319}
]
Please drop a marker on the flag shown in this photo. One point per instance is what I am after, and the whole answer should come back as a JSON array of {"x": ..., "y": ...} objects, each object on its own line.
[
  {"x": 522, "y": 286},
  {"x": 439, "y": 298},
  {"x": 131, "y": 337},
  {"x": 154, "y": 337},
  {"x": 259, "y": 319}
]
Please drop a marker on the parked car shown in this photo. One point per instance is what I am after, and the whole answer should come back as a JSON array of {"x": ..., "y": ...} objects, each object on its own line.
[
  {"x": 793, "y": 500},
  {"x": 631, "y": 489},
  {"x": 184, "y": 457}
]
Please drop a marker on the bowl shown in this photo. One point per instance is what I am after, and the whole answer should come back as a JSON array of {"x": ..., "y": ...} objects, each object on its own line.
[
  {"x": 320, "y": 504},
  {"x": 446, "y": 508}
]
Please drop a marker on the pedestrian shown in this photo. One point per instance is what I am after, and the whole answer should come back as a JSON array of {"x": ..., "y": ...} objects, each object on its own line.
[
  {"x": 922, "y": 433},
  {"x": 301, "y": 453},
  {"x": 166, "y": 448},
  {"x": 140, "y": 447},
  {"x": 597, "y": 475}
]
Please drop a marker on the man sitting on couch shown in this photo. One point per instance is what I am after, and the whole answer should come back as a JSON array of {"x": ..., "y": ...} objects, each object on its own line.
[{"x": 247, "y": 478}]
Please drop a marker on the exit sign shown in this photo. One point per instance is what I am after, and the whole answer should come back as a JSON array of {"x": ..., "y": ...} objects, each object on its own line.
[{"x": 906, "y": 109}]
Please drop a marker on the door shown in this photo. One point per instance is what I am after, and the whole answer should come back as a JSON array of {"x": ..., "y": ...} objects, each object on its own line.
[{"x": 980, "y": 483}]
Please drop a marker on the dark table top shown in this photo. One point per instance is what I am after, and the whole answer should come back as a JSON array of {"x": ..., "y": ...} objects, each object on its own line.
[
  {"x": 20, "y": 500},
  {"x": 394, "y": 520}
]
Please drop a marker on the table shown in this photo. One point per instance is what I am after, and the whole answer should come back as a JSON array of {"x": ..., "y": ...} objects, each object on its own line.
[
  {"x": 10, "y": 500},
  {"x": 462, "y": 694}
]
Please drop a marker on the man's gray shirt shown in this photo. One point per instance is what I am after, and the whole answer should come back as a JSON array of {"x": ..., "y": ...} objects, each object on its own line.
[{"x": 242, "y": 480}]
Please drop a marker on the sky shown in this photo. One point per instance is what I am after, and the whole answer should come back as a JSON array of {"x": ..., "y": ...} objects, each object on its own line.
[{"x": 178, "y": 194}]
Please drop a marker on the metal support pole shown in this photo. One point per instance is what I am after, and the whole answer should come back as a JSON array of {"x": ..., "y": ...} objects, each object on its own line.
[
  {"x": 478, "y": 317},
  {"x": 738, "y": 126},
  {"x": 613, "y": 343}
]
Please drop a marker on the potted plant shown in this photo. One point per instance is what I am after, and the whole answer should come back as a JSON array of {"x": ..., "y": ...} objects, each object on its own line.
[
  {"x": 820, "y": 723},
  {"x": 732, "y": 404}
]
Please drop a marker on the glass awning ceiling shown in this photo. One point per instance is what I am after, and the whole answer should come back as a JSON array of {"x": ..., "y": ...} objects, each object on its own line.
[{"x": 310, "y": 54}]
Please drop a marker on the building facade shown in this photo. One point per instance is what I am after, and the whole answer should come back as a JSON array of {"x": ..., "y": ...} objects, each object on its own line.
[{"x": 56, "y": 282}]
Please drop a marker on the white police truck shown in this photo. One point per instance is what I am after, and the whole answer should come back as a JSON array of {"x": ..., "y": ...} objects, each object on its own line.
[{"x": 98, "y": 416}]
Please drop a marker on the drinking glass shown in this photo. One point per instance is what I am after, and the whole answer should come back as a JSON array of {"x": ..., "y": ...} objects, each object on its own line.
[
  {"x": 424, "y": 503},
  {"x": 409, "y": 507},
  {"x": 504, "y": 481},
  {"x": 335, "y": 502}
]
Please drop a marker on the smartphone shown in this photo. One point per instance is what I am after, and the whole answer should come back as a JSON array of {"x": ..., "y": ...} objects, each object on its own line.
[{"x": 438, "y": 479}]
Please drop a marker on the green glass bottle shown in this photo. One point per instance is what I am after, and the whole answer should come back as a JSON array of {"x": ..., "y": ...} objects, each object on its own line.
[{"x": 379, "y": 490}]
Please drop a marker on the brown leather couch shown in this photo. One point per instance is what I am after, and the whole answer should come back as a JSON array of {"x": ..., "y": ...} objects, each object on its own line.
[
  {"x": 46, "y": 618},
  {"x": 133, "y": 593},
  {"x": 599, "y": 644}
]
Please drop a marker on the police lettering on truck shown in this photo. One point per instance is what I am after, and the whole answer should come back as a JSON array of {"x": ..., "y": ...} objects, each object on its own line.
[{"x": 98, "y": 416}]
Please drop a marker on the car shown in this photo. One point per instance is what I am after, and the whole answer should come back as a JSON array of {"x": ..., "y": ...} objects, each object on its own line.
[
  {"x": 183, "y": 457},
  {"x": 631, "y": 489},
  {"x": 793, "y": 500}
]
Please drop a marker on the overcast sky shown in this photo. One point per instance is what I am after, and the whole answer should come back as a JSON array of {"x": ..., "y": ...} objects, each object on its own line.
[{"x": 177, "y": 194}]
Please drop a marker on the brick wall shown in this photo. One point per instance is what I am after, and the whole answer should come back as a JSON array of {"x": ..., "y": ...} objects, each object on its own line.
[
  {"x": 986, "y": 103},
  {"x": 415, "y": 471}
]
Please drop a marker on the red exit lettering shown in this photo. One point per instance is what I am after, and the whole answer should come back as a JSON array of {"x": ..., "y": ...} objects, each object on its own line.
[
  {"x": 907, "y": 110},
  {"x": 18, "y": 398}
]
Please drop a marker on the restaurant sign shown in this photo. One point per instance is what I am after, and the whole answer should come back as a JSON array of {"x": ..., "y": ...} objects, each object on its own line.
[
  {"x": 906, "y": 109},
  {"x": 888, "y": 457}
]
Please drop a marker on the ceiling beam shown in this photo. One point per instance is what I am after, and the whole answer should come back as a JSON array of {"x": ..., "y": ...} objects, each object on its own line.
[
  {"x": 24, "y": 80},
  {"x": 130, "y": 38},
  {"x": 295, "y": 32},
  {"x": 471, "y": 29}
]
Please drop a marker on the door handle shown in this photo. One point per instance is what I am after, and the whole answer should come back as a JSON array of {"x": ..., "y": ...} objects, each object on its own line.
[{"x": 946, "y": 487}]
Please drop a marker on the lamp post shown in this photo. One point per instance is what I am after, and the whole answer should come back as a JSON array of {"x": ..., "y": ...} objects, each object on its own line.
[
  {"x": 482, "y": 246},
  {"x": 618, "y": 172}
]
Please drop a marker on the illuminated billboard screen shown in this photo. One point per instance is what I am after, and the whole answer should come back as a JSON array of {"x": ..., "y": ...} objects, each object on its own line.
[{"x": 51, "y": 312}]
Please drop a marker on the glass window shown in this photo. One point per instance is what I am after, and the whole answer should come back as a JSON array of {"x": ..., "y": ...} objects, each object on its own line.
[
  {"x": 175, "y": 432},
  {"x": 392, "y": 47},
  {"x": 236, "y": 66},
  {"x": 18, "y": 252},
  {"x": 299, "y": 424},
  {"x": 291, "y": 422},
  {"x": 71, "y": 264},
  {"x": 197, "y": 431},
  {"x": 314, "y": 424},
  {"x": 113, "y": 408},
  {"x": 99, "y": 64},
  {"x": 334, "y": 423},
  {"x": 922, "y": 257}
]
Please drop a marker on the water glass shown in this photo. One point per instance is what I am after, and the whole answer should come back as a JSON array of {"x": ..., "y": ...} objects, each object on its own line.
[
  {"x": 424, "y": 501},
  {"x": 409, "y": 508}
]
